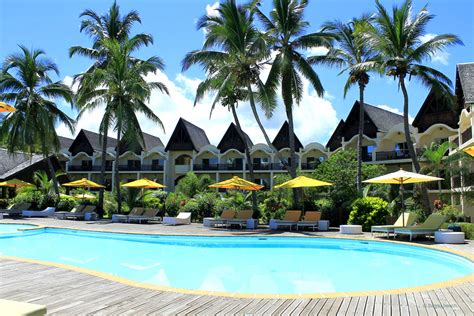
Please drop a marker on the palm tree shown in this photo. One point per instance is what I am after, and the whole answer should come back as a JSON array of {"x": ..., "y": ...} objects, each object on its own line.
[
  {"x": 398, "y": 40},
  {"x": 111, "y": 25},
  {"x": 43, "y": 183},
  {"x": 354, "y": 56},
  {"x": 26, "y": 83},
  {"x": 437, "y": 160},
  {"x": 285, "y": 28},
  {"x": 233, "y": 54},
  {"x": 121, "y": 85}
]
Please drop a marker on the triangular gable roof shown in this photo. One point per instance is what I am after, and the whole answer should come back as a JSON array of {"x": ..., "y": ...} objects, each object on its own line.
[
  {"x": 335, "y": 141},
  {"x": 65, "y": 142},
  {"x": 433, "y": 111},
  {"x": 150, "y": 142},
  {"x": 282, "y": 139},
  {"x": 384, "y": 120},
  {"x": 233, "y": 140},
  {"x": 187, "y": 136},
  {"x": 89, "y": 142},
  {"x": 465, "y": 81}
]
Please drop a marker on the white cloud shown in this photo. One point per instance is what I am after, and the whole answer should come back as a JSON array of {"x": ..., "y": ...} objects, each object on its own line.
[
  {"x": 441, "y": 57},
  {"x": 317, "y": 51},
  {"x": 212, "y": 9},
  {"x": 314, "y": 118},
  {"x": 395, "y": 110}
]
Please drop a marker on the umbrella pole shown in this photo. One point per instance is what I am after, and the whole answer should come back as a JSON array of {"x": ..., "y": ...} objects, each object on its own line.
[{"x": 403, "y": 203}]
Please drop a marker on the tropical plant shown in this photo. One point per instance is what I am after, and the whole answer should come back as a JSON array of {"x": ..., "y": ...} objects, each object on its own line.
[
  {"x": 285, "y": 28},
  {"x": 191, "y": 184},
  {"x": 232, "y": 55},
  {"x": 355, "y": 57},
  {"x": 121, "y": 85},
  {"x": 25, "y": 82},
  {"x": 435, "y": 156},
  {"x": 43, "y": 183},
  {"x": 368, "y": 211},
  {"x": 111, "y": 25},
  {"x": 398, "y": 40}
]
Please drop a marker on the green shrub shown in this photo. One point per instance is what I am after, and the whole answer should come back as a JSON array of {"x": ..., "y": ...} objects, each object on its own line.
[
  {"x": 174, "y": 202},
  {"x": 452, "y": 213},
  {"x": 4, "y": 203},
  {"x": 326, "y": 207},
  {"x": 468, "y": 229},
  {"x": 37, "y": 199},
  {"x": 368, "y": 211},
  {"x": 110, "y": 204},
  {"x": 191, "y": 184},
  {"x": 274, "y": 207},
  {"x": 191, "y": 206},
  {"x": 66, "y": 204}
]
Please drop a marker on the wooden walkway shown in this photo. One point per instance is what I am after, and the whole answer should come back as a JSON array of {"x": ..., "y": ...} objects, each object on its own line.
[{"x": 67, "y": 292}]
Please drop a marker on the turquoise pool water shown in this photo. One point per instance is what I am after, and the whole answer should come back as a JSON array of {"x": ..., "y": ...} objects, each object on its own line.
[{"x": 273, "y": 265}]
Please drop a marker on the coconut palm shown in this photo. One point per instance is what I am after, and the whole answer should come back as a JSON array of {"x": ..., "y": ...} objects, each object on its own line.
[
  {"x": 122, "y": 86},
  {"x": 233, "y": 55},
  {"x": 25, "y": 82},
  {"x": 398, "y": 40},
  {"x": 354, "y": 56},
  {"x": 285, "y": 26},
  {"x": 111, "y": 25}
]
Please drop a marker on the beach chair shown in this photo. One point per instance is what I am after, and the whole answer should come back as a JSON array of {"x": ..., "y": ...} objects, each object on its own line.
[
  {"x": 47, "y": 212},
  {"x": 136, "y": 211},
  {"x": 148, "y": 215},
  {"x": 183, "y": 218},
  {"x": 290, "y": 219},
  {"x": 429, "y": 227},
  {"x": 82, "y": 214},
  {"x": 15, "y": 210},
  {"x": 310, "y": 219},
  {"x": 62, "y": 215},
  {"x": 387, "y": 229},
  {"x": 240, "y": 219},
  {"x": 222, "y": 219}
]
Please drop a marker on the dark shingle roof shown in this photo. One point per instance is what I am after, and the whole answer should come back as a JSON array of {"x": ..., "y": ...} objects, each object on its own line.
[
  {"x": 64, "y": 142},
  {"x": 465, "y": 73},
  {"x": 194, "y": 138},
  {"x": 282, "y": 139},
  {"x": 151, "y": 141},
  {"x": 384, "y": 120},
  {"x": 334, "y": 141},
  {"x": 13, "y": 163},
  {"x": 94, "y": 140},
  {"x": 233, "y": 140}
]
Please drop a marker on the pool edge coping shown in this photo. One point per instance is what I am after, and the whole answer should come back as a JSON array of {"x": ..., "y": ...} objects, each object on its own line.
[{"x": 126, "y": 281}]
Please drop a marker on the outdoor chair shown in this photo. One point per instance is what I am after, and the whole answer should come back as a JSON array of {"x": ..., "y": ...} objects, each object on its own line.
[
  {"x": 15, "y": 209},
  {"x": 47, "y": 212},
  {"x": 290, "y": 220},
  {"x": 429, "y": 227},
  {"x": 222, "y": 219},
  {"x": 136, "y": 211},
  {"x": 388, "y": 229},
  {"x": 240, "y": 219},
  {"x": 148, "y": 215},
  {"x": 310, "y": 219},
  {"x": 183, "y": 218}
]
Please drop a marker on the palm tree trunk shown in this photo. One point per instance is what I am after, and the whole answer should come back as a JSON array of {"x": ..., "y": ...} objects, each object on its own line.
[
  {"x": 53, "y": 176},
  {"x": 247, "y": 155},
  {"x": 116, "y": 167},
  {"x": 361, "y": 135},
  {"x": 264, "y": 132},
  {"x": 411, "y": 148},
  {"x": 100, "y": 205},
  {"x": 291, "y": 128}
]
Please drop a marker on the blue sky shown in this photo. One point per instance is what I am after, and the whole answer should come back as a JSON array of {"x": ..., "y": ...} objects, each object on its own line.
[{"x": 53, "y": 25}]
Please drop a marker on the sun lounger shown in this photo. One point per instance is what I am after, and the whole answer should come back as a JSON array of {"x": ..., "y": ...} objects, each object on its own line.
[
  {"x": 290, "y": 220},
  {"x": 47, "y": 212},
  {"x": 136, "y": 211},
  {"x": 183, "y": 218},
  {"x": 77, "y": 209},
  {"x": 20, "y": 308},
  {"x": 409, "y": 220},
  {"x": 81, "y": 215},
  {"x": 241, "y": 218},
  {"x": 148, "y": 215},
  {"x": 15, "y": 209},
  {"x": 429, "y": 227},
  {"x": 310, "y": 219},
  {"x": 221, "y": 220}
]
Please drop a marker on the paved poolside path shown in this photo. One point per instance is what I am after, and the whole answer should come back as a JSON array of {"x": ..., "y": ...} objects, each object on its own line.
[{"x": 68, "y": 292}]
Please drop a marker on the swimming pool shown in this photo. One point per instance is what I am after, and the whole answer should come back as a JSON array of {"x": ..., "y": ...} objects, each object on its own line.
[{"x": 245, "y": 265}]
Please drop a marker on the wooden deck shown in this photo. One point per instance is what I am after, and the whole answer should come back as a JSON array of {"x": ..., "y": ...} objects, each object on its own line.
[{"x": 67, "y": 292}]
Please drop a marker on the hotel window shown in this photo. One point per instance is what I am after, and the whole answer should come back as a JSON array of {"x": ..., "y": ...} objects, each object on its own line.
[
  {"x": 155, "y": 163},
  {"x": 260, "y": 160},
  {"x": 134, "y": 164},
  {"x": 86, "y": 163},
  {"x": 108, "y": 164},
  {"x": 401, "y": 147},
  {"x": 209, "y": 161}
]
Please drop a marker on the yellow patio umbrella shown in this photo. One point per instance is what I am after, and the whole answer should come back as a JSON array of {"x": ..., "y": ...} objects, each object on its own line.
[
  {"x": 402, "y": 177},
  {"x": 301, "y": 182},
  {"x": 144, "y": 184},
  {"x": 6, "y": 108},
  {"x": 469, "y": 150},
  {"x": 15, "y": 183},
  {"x": 83, "y": 183},
  {"x": 237, "y": 183}
]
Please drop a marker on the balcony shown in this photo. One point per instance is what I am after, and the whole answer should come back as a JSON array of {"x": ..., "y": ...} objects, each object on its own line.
[
  {"x": 206, "y": 167},
  {"x": 230, "y": 167},
  {"x": 309, "y": 165},
  {"x": 445, "y": 185},
  {"x": 152, "y": 168},
  {"x": 129, "y": 168},
  {"x": 367, "y": 157},
  {"x": 260, "y": 166},
  {"x": 466, "y": 135},
  {"x": 96, "y": 168},
  {"x": 277, "y": 166},
  {"x": 394, "y": 155}
]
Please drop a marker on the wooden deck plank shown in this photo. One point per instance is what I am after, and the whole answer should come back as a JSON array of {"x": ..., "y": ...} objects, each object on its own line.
[
  {"x": 412, "y": 308},
  {"x": 335, "y": 306},
  {"x": 361, "y": 305}
]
